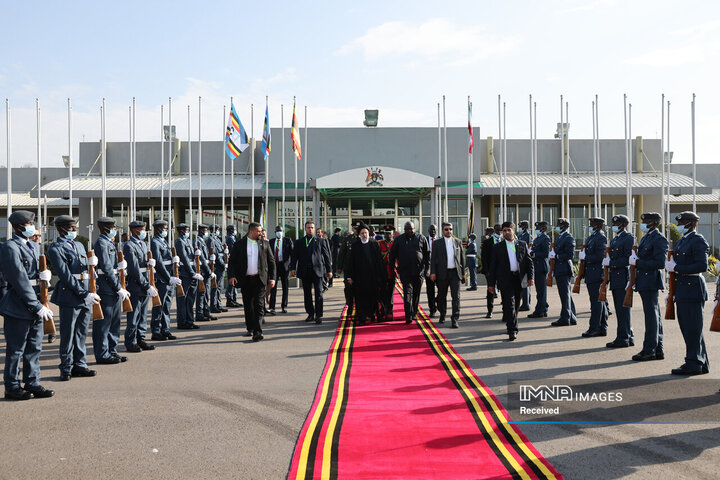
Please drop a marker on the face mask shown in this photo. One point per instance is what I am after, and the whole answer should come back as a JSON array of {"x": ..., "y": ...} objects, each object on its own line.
[
  {"x": 112, "y": 233},
  {"x": 205, "y": 235},
  {"x": 71, "y": 235},
  {"x": 163, "y": 234},
  {"x": 521, "y": 230},
  {"x": 615, "y": 228},
  {"x": 186, "y": 235},
  {"x": 558, "y": 229},
  {"x": 644, "y": 228},
  {"x": 497, "y": 236},
  {"x": 142, "y": 235},
  {"x": 682, "y": 229},
  {"x": 278, "y": 234},
  {"x": 537, "y": 233},
  {"x": 29, "y": 231}
]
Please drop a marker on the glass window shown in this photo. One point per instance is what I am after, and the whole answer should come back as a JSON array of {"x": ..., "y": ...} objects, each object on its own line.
[
  {"x": 524, "y": 213},
  {"x": 384, "y": 208},
  {"x": 361, "y": 207},
  {"x": 401, "y": 223},
  {"x": 550, "y": 214},
  {"x": 426, "y": 207},
  {"x": 578, "y": 223},
  {"x": 408, "y": 207},
  {"x": 459, "y": 227},
  {"x": 337, "y": 207},
  {"x": 341, "y": 223},
  {"x": 457, "y": 206}
]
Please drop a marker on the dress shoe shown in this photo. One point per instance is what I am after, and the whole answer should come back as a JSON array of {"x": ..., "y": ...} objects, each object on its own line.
[
  {"x": 432, "y": 313},
  {"x": 659, "y": 355},
  {"x": 512, "y": 336},
  {"x": 257, "y": 337},
  {"x": 51, "y": 337},
  {"x": 202, "y": 319},
  {"x": 212, "y": 317},
  {"x": 488, "y": 315},
  {"x": 619, "y": 344},
  {"x": 537, "y": 315},
  {"x": 145, "y": 346},
  {"x": 524, "y": 309},
  {"x": 310, "y": 318},
  {"x": 471, "y": 289},
  {"x": 65, "y": 376},
  {"x": 133, "y": 349},
  {"x": 83, "y": 372},
  {"x": 318, "y": 320},
  {"x": 170, "y": 336},
  {"x": 408, "y": 321},
  {"x": 194, "y": 327},
  {"x": 108, "y": 361},
  {"x": 685, "y": 370},
  {"x": 558, "y": 323},
  {"x": 223, "y": 310},
  {"x": 271, "y": 311},
  {"x": 414, "y": 317},
  {"x": 158, "y": 337},
  {"x": 454, "y": 324},
  {"x": 284, "y": 310},
  {"x": 122, "y": 358},
  {"x": 184, "y": 327},
  {"x": 594, "y": 333},
  {"x": 18, "y": 394},
  {"x": 215, "y": 310},
  {"x": 643, "y": 357},
  {"x": 39, "y": 391},
  {"x": 441, "y": 319},
  {"x": 248, "y": 334}
]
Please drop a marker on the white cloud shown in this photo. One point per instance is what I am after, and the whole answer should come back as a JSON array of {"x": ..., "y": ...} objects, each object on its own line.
[
  {"x": 435, "y": 39},
  {"x": 670, "y": 57},
  {"x": 701, "y": 29}
]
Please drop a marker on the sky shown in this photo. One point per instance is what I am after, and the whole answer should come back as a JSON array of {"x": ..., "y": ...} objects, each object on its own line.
[{"x": 339, "y": 58}]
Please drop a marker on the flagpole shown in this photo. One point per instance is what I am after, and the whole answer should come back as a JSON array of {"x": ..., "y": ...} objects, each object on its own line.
[
  {"x": 446, "y": 161},
  {"x": 162, "y": 161},
  {"x": 662, "y": 154},
  {"x": 222, "y": 150},
  {"x": 694, "y": 176},
  {"x": 232, "y": 180},
  {"x": 39, "y": 174},
  {"x": 200, "y": 179},
  {"x": 134, "y": 155},
  {"x": 9, "y": 164},
  {"x": 567, "y": 154},
  {"x": 630, "y": 164},
  {"x": 627, "y": 162},
  {"x": 499, "y": 164},
  {"x": 103, "y": 154},
  {"x": 267, "y": 161},
  {"x": 305, "y": 177},
  {"x": 252, "y": 162},
  {"x": 667, "y": 197},
  {"x": 504, "y": 163},
  {"x": 469, "y": 165},
  {"x": 535, "y": 189},
  {"x": 297, "y": 212},
  {"x": 438, "y": 194},
  {"x": 70, "y": 162},
  {"x": 171, "y": 159},
  {"x": 132, "y": 175},
  {"x": 532, "y": 171},
  {"x": 190, "y": 192},
  {"x": 597, "y": 148},
  {"x": 282, "y": 159}
]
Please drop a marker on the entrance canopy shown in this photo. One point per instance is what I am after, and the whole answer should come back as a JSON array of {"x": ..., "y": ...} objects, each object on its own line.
[{"x": 372, "y": 181}]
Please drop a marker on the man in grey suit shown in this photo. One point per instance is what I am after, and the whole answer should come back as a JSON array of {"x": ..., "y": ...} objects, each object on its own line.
[
  {"x": 311, "y": 259},
  {"x": 447, "y": 268}
]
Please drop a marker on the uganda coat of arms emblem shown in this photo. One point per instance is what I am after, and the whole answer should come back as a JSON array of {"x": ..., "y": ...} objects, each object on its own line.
[{"x": 374, "y": 177}]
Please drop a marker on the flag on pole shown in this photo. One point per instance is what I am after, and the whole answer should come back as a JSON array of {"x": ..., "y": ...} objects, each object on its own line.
[
  {"x": 236, "y": 139},
  {"x": 471, "y": 143},
  {"x": 262, "y": 216},
  {"x": 295, "y": 136},
  {"x": 266, "y": 135},
  {"x": 471, "y": 219}
]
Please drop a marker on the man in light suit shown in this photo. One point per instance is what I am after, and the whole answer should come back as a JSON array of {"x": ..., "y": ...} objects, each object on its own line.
[
  {"x": 311, "y": 260},
  {"x": 282, "y": 248},
  {"x": 447, "y": 268},
  {"x": 252, "y": 268},
  {"x": 510, "y": 264}
]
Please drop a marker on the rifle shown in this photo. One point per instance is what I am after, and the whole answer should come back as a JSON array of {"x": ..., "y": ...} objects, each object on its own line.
[
  {"x": 126, "y": 305},
  {"x": 97, "y": 313},
  {"x": 179, "y": 292},
  {"x": 213, "y": 282},
  {"x": 628, "y": 302},
  {"x": 581, "y": 273},
  {"x": 549, "y": 281},
  {"x": 156, "y": 302},
  {"x": 48, "y": 327},
  {"x": 715, "y": 323},
  {"x": 670, "y": 305},
  {"x": 602, "y": 297},
  {"x": 201, "y": 284}
]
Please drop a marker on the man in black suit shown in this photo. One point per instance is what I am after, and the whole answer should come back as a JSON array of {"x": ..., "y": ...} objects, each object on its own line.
[
  {"x": 510, "y": 264},
  {"x": 412, "y": 255},
  {"x": 492, "y": 236},
  {"x": 430, "y": 287},
  {"x": 335, "y": 242},
  {"x": 252, "y": 269},
  {"x": 282, "y": 248},
  {"x": 311, "y": 260},
  {"x": 447, "y": 268}
]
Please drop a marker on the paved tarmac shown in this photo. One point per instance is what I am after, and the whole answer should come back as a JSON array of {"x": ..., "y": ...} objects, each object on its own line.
[{"x": 212, "y": 404}]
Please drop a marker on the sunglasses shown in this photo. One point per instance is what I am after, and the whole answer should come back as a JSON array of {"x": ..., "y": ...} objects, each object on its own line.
[{"x": 447, "y": 229}]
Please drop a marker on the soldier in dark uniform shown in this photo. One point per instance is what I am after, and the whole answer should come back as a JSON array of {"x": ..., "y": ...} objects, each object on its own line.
[
  {"x": 492, "y": 236},
  {"x": 21, "y": 308},
  {"x": 649, "y": 261},
  {"x": 188, "y": 276},
  {"x": 69, "y": 261},
  {"x": 218, "y": 258},
  {"x": 524, "y": 235},
  {"x": 388, "y": 287},
  {"x": 230, "y": 291},
  {"x": 335, "y": 242},
  {"x": 540, "y": 250},
  {"x": 430, "y": 286},
  {"x": 106, "y": 331},
  {"x": 618, "y": 261},
  {"x": 165, "y": 282},
  {"x": 343, "y": 260},
  {"x": 593, "y": 255},
  {"x": 689, "y": 262},
  {"x": 563, "y": 255},
  {"x": 202, "y": 303},
  {"x": 471, "y": 261},
  {"x": 135, "y": 251},
  {"x": 412, "y": 255}
]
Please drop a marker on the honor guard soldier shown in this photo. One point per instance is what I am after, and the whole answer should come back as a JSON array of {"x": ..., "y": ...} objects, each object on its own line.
[
  {"x": 593, "y": 255},
  {"x": 135, "y": 251},
  {"x": 524, "y": 235},
  {"x": 689, "y": 262},
  {"x": 540, "y": 250},
  {"x": 165, "y": 282},
  {"x": 220, "y": 265},
  {"x": 186, "y": 266},
  {"x": 202, "y": 303},
  {"x": 618, "y": 262},
  {"x": 492, "y": 236},
  {"x": 106, "y": 331},
  {"x": 230, "y": 291},
  {"x": 69, "y": 261},
  {"x": 563, "y": 255},
  {"x": 21, "y": 308},
  {"x": 471, "y": 261},
  {"x": 649, "y": 261},
  {"x": 386, "y": 293}
]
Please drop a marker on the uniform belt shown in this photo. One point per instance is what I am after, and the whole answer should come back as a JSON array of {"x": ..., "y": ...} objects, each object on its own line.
[
  {"x": 689, "y": 274},
  {"x": 167, "y": 262},
  {"x": 143, "y": 269},
  {"x": 82, "y": 276},
  {"x": 100, "y": 272},
  {"x": 471, "y": 255}
]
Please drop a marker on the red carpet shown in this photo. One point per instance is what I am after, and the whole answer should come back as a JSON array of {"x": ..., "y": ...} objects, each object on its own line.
[{"x": 396, "y": 401}]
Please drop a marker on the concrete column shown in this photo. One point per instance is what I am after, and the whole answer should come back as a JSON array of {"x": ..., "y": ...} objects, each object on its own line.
[
  {"x": 639, "y": 160},
  {"x": 490, "y": 155}
]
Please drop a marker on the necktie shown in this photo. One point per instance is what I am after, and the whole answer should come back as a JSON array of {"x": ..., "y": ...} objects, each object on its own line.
[
  {"x": 30, "y": 246},
  {"x": 277, "y": 258}
]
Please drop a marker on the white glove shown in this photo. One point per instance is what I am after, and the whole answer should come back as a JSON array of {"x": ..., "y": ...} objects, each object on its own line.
[
  {"x": 124, "y": 294},
  {"x": 45, "y": 314},
  {"x": 122, "y": 265},
  {"x": 606, "y": 262},
  {"x": 627, "y": 285},
  {"x": 151, "y": 262},
  {"x": 212, "y": 275},
  {"x": 212, "y": 258},
  {"x": 198, "y": 277},
  {"x": 198, "y": 252},
  {"x": 45, "y": 275},
  {"x": 226, "y": 251},
  {"x": 175, "y": 281},
  {"x": 92, "y": 298},
  {"x": 93, "y": 261},
  {"x": 176, "y": 259},
  {"x": 552, "y": 254},
  {"x": 633, "y": 259},
  {"x": 581, "y": 255},
  {"x": 152, "y": 291},
  {"x": 670, "y": 265}
]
